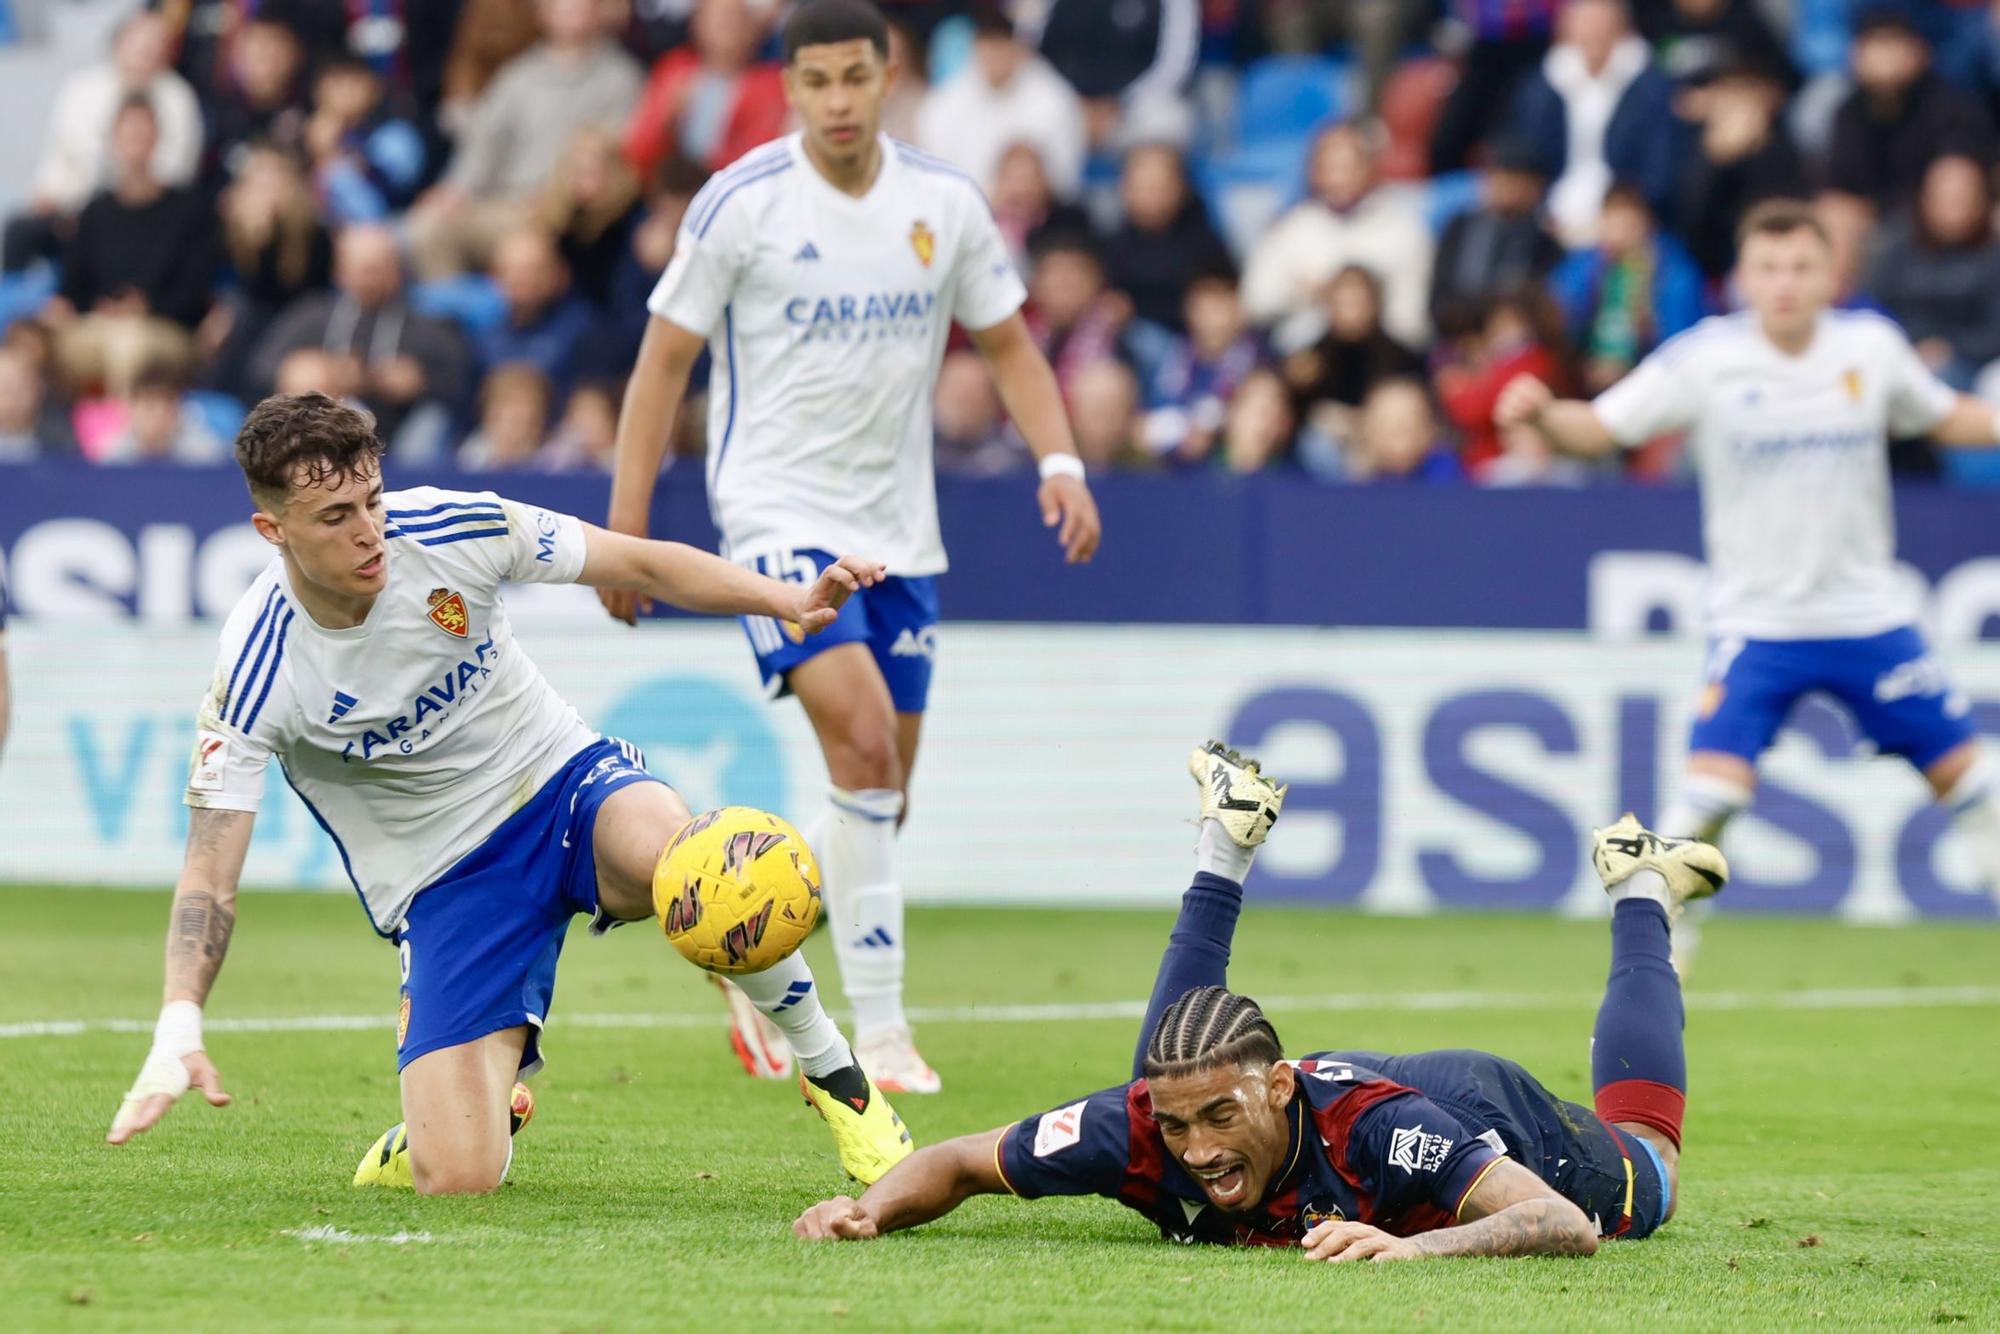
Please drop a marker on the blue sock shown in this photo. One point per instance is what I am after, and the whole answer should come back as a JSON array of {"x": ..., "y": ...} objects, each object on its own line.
[
  {"x": 1197, "y": 951},
  {"x": 1637, "y": 1064}
]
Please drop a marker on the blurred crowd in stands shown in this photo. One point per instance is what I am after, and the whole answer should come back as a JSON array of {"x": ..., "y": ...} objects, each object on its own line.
[{"x": 1312, "y": 234}]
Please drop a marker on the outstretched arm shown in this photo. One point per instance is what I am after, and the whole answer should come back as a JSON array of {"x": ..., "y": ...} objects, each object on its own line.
[
  {"x": 1027, "y": 386},
  {"x": 198, "y": 931},
  {"x": 1971, "y": 424},
  {"x": 1568, "y": 424},
  {"x": 928, "y": 1184},
  {"x": 1510, "y": 1211},
  {"x": 652, "y": 400},
  {"x": 694, "y": 580}
]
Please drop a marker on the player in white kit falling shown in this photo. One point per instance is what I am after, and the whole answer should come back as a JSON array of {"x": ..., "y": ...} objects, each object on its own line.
[
  {"x": 473, "y": 810},
  {"x": 823, "y": 272},
  {"x": 1789, "y": 407}
]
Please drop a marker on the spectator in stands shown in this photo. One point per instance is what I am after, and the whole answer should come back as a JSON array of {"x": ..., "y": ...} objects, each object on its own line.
[
  {"x": 31, "y": 345},
  {"x": 1075, "y": 319},
  {"x": 1694, "y": 39},
  {"x": 710, "y": 101},
  {"x": 370, "y": 153},
  {"x": 972, "y": 435},
  {"x": 1164, "y": 236},
  {"x": 1398, "y": 438},
  {"x": 591, "y": 207},
  {"x": 1258, "y": 431},
  {"x": 1508, "y": 40},
  {"x": 576, "y": 76},
  {"x": 648, "y": 246},
  {"x": 545, "y": 321},
  {"x": 586, "y": 439},
  {"x": 1025, "y": 208},
  {"x": 159, "y": 426},
  {"x": 407, "y": 369},
  {"x": 1130, "y": 62},
  {"x": 1900, "y": 116},
  {"x": 1348, "y": 219},
  {"x": 22, "y": 395},
  {"x": 1624, "y": 296},
  {"x": 1521, "y": 334},
  {"x": 1598, "y": 110},
  {"x": 1329, "y": 381},
  {"x": 137, "y": 271},
  {"x": 1188, "y": 390},
  {"x": 490, "y": 33},
  {"x": 1104, "y": 413},
  {"x": 514, "y": 406},
  {"x": 1937, "y": 270},
  {"x": 1377, "y": 31},
  {"x": 205, "y": 31},
  {"x": 905, "y": 100},
  {"x": 1741, "y": 155},
  {"x": 1005, "y": 95},
  {"x": 1501, "y": 246},
  {"x": 263, "y": 99},
  {"x": 74, "y": 163},
  {"x": 277, "y": 249}
]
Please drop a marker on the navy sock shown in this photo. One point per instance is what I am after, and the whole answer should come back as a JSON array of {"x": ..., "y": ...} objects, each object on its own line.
[
  {"x": 1637, "y": 1064},
  {"x": 1197, "y": 951}
]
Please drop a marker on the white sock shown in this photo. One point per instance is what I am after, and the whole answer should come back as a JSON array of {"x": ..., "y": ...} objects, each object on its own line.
[
  {"x": 1706, "y": 804},
  {"x": 1218, "y": 854},
  {"x": 788, "y": 997},
  {"x": 1975, "y": 809},
  {"x": 865, "y": 905},
  {"x": 1644, "y": 883}
]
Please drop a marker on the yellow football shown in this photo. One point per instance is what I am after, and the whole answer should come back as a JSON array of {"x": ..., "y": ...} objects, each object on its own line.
[{"x": 737, "y": 890}]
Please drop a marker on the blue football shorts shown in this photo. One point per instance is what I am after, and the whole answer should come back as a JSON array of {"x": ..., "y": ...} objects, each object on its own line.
[
  {"x": 897, "y": 619},
  {"x": 1891, "y": 683},
  {"x": 480, "y": 943}
]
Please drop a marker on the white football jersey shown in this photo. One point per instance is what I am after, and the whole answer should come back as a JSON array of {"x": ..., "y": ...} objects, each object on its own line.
[
  {"x": 826, "y": 318},
  {"x": 414, "y": 735},
  {"x": 1793, "y": 457}
]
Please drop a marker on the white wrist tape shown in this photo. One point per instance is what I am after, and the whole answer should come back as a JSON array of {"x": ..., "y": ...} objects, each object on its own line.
[
  {"x": 176, "y": 1035},
  {"x": 1061, "y": 465},
  {"x": 179, "y": 1031}
]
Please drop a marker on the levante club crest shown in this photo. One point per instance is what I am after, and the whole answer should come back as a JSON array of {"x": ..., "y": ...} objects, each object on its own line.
[
  {"x": 448, "y": 612},
  {"x": 924, "y": 241}
]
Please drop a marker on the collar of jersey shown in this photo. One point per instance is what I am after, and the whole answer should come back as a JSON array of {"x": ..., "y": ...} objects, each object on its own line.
[{"x": 350, "y": 631}]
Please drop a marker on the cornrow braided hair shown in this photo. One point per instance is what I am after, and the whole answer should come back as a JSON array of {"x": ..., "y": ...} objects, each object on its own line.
[{"x": 1210, "y": 1027}]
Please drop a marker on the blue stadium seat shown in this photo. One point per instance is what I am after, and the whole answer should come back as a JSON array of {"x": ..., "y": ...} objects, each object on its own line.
[
  {"x": 24, "y": 293},
  {"x": 1821, "y": 35},
  {"x": 473, "y": 302},
  {"x": 1247, "y": 186},
  {"x": 221, "y": 413},
  {"x": 1287, "y": 97}
]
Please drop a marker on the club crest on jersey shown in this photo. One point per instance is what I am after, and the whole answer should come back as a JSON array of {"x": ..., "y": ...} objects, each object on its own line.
[
  {"x": 448, "y": 612},
  {"x": 924, "y": 241},
  {"x": 1313, "y": 1215}
]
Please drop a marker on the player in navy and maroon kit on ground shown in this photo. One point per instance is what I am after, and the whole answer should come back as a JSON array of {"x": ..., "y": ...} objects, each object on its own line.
[{"x": 1348, "y": 1154}]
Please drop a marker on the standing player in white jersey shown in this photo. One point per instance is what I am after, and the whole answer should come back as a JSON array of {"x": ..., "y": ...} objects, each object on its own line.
[
  {"x": 473, "y": 810},
  {"x": 1789, "y": 407},
  {"x": 823, "y": 273}
]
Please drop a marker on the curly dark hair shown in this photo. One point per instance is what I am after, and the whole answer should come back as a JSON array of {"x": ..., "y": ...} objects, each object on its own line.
[{"x": 304, "y": 440}]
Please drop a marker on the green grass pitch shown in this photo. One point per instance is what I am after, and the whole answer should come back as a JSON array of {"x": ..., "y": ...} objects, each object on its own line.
[{"x": 1840, "y": 1168}]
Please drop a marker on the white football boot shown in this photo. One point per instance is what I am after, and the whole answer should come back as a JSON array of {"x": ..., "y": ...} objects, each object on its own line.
[
  {"x": 1693, "y": 870},
  {"x": 1235, "y": 793},
  {"x": 892, "y": 1060}
]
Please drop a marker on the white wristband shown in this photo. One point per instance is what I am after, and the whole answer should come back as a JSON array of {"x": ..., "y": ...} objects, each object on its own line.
[
  {"x": 1061, "y": 465},
  {"x": 179, "y": 1031}
]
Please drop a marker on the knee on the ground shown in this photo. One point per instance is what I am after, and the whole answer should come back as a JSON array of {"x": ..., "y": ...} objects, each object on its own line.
[{"x": 458, "y": 1174}]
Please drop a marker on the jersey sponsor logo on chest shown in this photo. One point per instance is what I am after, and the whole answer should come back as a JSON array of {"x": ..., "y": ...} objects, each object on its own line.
[
  {"x": 860, "y": 316},
  {"x": 433, "y": 705}
]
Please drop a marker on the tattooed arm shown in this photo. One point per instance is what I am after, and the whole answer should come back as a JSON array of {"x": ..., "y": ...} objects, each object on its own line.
[
  {"x": 204, "y": 915},
  {"x": 205, "y": 901},
  {"x": 1511, "y": 1211}
]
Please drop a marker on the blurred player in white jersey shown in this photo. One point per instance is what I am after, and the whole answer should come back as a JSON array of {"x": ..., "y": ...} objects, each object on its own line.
[
  {"x": 473, "y": 810},
  {"x": 823, "y": 273},
  {"x": 1789, "y": 407}
]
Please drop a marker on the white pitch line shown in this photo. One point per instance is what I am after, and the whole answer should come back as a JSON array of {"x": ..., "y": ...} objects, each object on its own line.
[{"x": 1812, "y": 998}]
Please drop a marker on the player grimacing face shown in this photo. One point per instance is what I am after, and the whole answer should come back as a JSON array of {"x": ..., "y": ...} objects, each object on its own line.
[
  {"x": 1228, "y": 1127},
  {"x": 1787, "y": 279},
  {"x": 837, "y": 90},
  {"x": 332, "y": 531}
]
